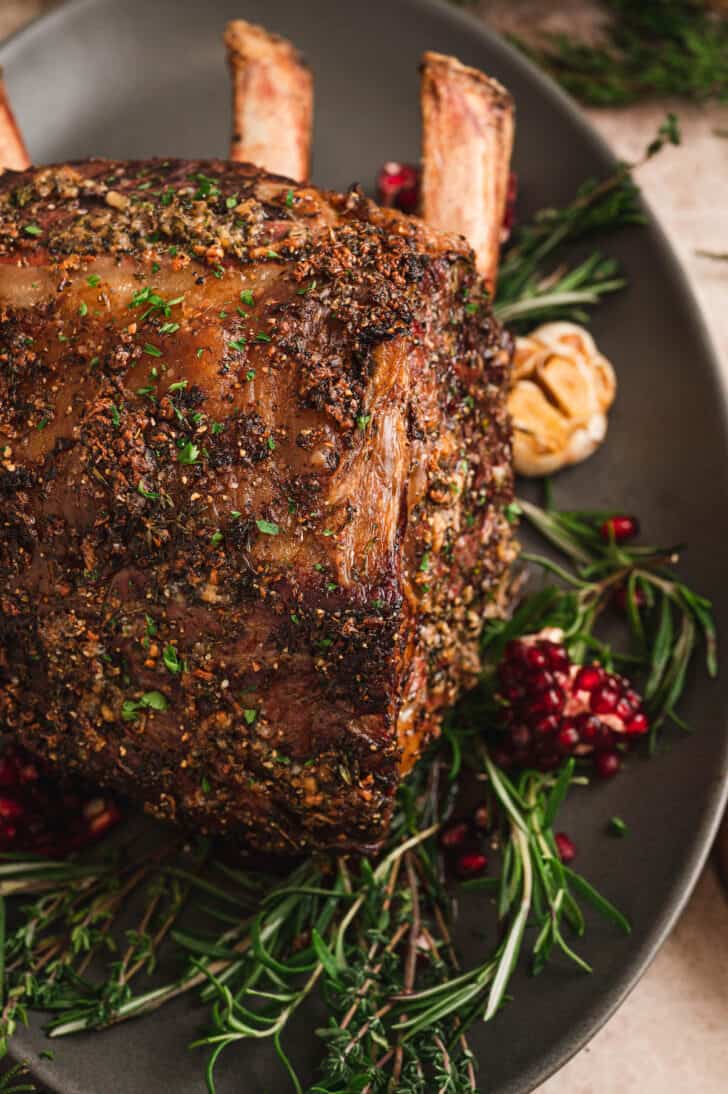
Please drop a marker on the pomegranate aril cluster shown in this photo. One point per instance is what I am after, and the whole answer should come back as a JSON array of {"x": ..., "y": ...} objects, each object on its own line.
[
  {"x": 40, "y": 816},
  {"x": 553, "y": 709}
]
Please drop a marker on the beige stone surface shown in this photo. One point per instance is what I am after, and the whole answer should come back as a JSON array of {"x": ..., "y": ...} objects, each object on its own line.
[{"x": 671, "y": 1035}]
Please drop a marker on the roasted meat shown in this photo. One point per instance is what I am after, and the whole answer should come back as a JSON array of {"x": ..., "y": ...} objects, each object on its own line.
[{"x": 254, "y": 459}]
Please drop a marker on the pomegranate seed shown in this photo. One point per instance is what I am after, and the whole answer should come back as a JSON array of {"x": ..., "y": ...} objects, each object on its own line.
[
  {"x": 607, "y": 764},
  {"x": 549, "y": 724},
  {"x": 565, "y": 847},
  {"x": 604, "y": 699},
  {"x": 513, "y": 692},
  {"x": 557, "y": 657},
  {"x": 620, "y": 528},
  {"x": 521, "y": 737},
  {"x": 568, "y": 736},
  {"x": 637, "y": 725},
  {"x": 624, "y": 710},
  {"x": 10, "y": 809},
  {"x": 535, "y": 657},
  {"x": 454, "y": 835},
  {"x": 620, "y": 598},
  {"x": 471, "y": 864},
  {"x": 588, "y": 678},
  {"x": 398, "y": 186},
  {"x": 549, "y": 702},
  {"x": 541, "y": 680}
]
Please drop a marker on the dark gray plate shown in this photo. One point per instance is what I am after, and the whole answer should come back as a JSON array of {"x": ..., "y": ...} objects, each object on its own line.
[{"x": 132, "y": 78}]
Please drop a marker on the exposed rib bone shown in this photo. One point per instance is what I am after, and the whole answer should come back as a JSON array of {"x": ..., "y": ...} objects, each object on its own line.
[
  {"x": 272, "y": 101},
  {"x": 13, "y": 153},
  {"x": 467, "y": 138}
]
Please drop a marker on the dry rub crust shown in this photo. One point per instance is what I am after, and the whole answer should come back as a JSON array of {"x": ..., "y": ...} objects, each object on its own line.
[
  {"x": 467, "y": 139},
  {"x": 272, "y": 101},
  {"x": 254, "y": 456},
  {"x": 13, "y": 153}
]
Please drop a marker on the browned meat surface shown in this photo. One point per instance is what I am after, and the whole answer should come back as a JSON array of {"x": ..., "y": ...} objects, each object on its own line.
[{"x": 253, "y": 461}]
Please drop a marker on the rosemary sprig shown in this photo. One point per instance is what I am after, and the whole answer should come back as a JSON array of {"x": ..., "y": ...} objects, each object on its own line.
[
  {"x": 533, "y": 286},
  {"x": 675, "y": 47},
  {"x": 664, "y": 616}
]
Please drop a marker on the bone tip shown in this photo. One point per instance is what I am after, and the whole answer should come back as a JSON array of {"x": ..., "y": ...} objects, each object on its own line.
[
  {"x": 251, "y": 42},
  {"x": 441, "y": 64}
]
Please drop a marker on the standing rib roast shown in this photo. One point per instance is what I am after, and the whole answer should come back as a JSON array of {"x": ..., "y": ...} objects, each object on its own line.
[{"x": 254, "y": 458}]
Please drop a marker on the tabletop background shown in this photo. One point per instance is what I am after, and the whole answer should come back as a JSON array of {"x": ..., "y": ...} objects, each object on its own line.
[{"x": 669, "y": 1037}]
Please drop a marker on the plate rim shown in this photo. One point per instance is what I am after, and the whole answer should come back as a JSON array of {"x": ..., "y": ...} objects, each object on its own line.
[{"x": 574, "y": 1039}]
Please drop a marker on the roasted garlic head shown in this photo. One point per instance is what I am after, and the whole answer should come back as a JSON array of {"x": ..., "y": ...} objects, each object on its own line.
[{"x": 562, "y": 388}]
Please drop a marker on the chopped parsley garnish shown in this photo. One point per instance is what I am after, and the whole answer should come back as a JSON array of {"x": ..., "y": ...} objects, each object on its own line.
[
  {"x": 271, "y": 443},
  {"x": 250, "y": 715},
  {"x": 238, "y": 344},
  {"x": 618, "y": 827},
  {"x": 267, "y": 527},
  {"x": 231, "y": 202},
  {"x": 289, "y": 198},
  {"x": 178, "y": 385},
  {"x": 115, "y": 416},
  {"x": 152, "y": 350},
  {"x": 302, "y": 292},
  {"x": 205, "y": 785},
  {"x": 169, "y": 328},
  {"x": 42, "y": 423},
  {"x": 207, "y": 187},
  {"x": 261, "y": 336},
  {"x": 216, "y": 538},
  {"x": 172, "y": 660},
  {"x": 363, "y": 421},
  {"x": 83, "y": 309},
  {"x": 512, "y": 512},
  {"x": 32, "y": 230},
  {"x": 150, "y": 494},
  {"x": 150, "y": 700},
  {"x": 150, "y": 625},
  {"x": 247, "y": 297},
  {"x": 189, "y": 453},
  {"x": 93, "y": 280},
  {"x": 250, "y": 374},
  {"x": 425, "y": 563}
]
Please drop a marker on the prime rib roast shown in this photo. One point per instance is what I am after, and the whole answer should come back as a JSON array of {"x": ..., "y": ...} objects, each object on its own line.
[{"x": 254, "y": 458}]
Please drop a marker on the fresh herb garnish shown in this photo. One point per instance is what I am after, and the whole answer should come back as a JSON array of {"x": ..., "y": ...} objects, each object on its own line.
[
  {"x": 267, "y": 527},
  {"x": 675, "y": 47}
]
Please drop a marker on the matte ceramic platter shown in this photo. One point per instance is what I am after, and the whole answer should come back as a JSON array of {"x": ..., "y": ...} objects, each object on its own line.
[{"x": 134, "y": 78}]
